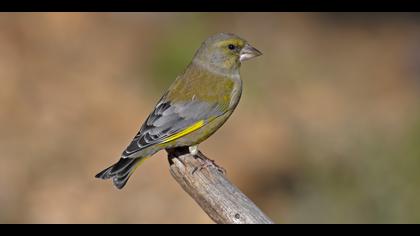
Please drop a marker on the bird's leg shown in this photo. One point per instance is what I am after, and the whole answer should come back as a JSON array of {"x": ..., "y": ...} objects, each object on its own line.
[{"x": 207, "y": 162}]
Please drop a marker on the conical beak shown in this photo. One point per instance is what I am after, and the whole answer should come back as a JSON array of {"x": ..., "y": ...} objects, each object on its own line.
[{"x": 248, "y": 52}]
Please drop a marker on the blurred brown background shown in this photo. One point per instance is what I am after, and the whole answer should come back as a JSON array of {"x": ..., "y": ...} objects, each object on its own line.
[{"x": 327, "y": 131}]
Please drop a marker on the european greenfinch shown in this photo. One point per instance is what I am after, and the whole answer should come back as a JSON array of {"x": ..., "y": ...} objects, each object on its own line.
[{"x": 197, "y": 104}]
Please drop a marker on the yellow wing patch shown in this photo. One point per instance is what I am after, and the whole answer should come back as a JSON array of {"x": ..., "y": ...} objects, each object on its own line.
[{"x": 186, "y": 131}]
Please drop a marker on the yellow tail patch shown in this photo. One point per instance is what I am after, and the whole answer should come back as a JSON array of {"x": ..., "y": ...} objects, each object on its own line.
[{"x": 186, "y": 131}]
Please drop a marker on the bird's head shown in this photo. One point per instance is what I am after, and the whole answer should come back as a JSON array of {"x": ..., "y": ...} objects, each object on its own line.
[{"x": 225, "y": 52}]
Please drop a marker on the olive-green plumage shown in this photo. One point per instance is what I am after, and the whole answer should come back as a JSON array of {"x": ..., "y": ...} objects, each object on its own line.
[{"x": 196, "y": 105}]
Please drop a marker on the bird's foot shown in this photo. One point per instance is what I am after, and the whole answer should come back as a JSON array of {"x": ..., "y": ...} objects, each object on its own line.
[{"x": 207, "y": 162}]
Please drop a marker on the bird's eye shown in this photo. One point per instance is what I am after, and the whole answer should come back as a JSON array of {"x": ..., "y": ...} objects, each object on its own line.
[{"x": 231, "y": 46}]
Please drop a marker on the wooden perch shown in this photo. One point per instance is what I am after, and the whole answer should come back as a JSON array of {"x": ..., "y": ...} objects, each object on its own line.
[{"x": 223, "y": 202}]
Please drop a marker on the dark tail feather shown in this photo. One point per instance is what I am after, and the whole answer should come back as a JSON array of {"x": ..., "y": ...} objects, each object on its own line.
[
  {"x": 121, "y": 171},
  {"x": 114, "y": 169}
]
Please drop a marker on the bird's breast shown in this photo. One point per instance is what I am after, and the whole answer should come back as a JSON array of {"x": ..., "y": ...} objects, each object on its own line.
[
  {"x": 235, "y": 93},
  {"x": 198, "y": 84}
]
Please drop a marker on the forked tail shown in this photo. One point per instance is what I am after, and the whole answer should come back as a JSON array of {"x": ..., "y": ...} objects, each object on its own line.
[{"x": 121, "y": 171}]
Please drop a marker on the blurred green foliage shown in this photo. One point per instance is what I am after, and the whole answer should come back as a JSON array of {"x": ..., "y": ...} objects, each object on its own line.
[{"x": 175, "y": 49}]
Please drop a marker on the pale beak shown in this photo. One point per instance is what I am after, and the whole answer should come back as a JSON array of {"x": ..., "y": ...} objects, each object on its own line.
[{"x": 248, "y": 52}]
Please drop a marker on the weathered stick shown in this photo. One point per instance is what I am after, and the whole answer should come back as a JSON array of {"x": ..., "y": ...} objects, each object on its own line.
[{"x": 223, "y": 202}]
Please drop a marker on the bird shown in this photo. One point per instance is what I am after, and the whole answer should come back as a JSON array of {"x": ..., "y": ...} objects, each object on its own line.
[{"x": 194, "y": 107}]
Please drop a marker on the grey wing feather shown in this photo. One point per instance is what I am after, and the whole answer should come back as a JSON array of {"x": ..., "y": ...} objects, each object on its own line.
[{"x": 168, "y": 119}]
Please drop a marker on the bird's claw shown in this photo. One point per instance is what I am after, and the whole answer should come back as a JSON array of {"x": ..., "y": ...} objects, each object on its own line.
[{"x": 207, "y": 163}]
